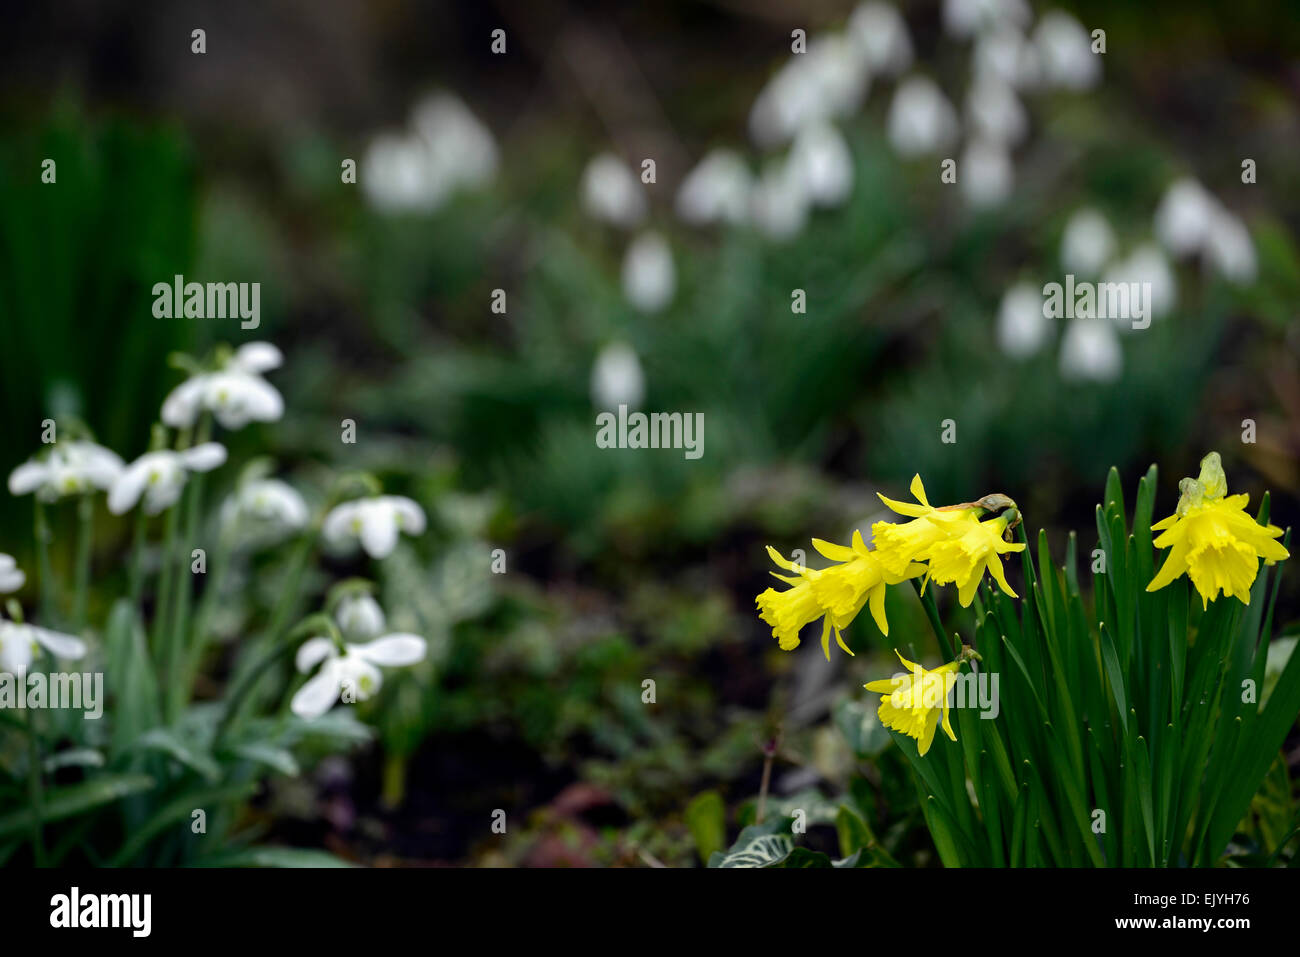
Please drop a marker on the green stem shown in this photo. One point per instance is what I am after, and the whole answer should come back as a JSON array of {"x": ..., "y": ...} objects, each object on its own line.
[
  {"x": 219, "y": 569},
  {"x": 137, "y": 558},
  {"x": 178, "y": 690},
  {"x": 42, "y": 532},
  {"x": 932, "y": 612},
  {"x": 85, "y": 539},
  {"x": 36, "y": 791},
  {"x": 162, "y": 612}
]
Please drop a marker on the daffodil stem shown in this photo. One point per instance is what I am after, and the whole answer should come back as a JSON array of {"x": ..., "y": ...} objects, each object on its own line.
[
  {"x": 932, "y": 612},
  {"x": 42, "y": 533},
  {"x": 85, "y": 539},
  {"x": 36, "y": 791}
]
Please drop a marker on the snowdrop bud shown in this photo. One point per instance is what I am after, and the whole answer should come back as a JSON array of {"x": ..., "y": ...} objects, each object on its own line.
[
  {"x": 649, "y": 279},
  {"x": 462, "y": 152},
  {"x": 881, "y": 34},
  {"x": 1147, "y": 264},
  {"x": 1087, "y": 243},
  {"x": 921, "y": 120},
  {"x": 1005, "y": 55},
  {"x": 612, "y": 193},
  {"x": 1228, "y": 248},
  {"x": 822, "y": 161},
  {"x": 963, "y": 18},
  {"x": 1022, "y": 326},
  {"x": 717, "y": 189},
  {"x": 11, "y": 576},
  {"x": 986, "y": 173},
  {"x": 1090, "y": 350},
  {"x": 264, "y": 510},
  {"x": 995, "y": 113},
  {"x": 359, "y": 617},
  {"x": 779, "y": 205},
  {"x": 397, "y": 176},
  {"x": 1065, "y": 52},
  {"x": 616, "y": 378},
  {"x": 1184, "y": 217}
]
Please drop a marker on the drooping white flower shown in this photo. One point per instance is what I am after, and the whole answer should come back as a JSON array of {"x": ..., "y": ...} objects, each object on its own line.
[
  {"x": 397, "y": 176},
  {"x": 373, "y": 522},
  {"x": 986, "y": 176},
  {"x": 11, "y": 576},
  {"x": 822, "y": 160},
  {"x": 1090, "y": 350},
  {"x": 829, "y": 80},
  {"x": 1184, "y": 217},
  {"x": 612, "y": 193},
  {"x": 69, "y": 468},
  {"x": 921, "y": 120},
  {"x": 1022, "y": 325},
  {"x": 20, "y": 642},
  {"x": 649, "y": 278},
  {"x": 1065, "y": 52},
  {"x": 1088, "y": 242},
  {"x": 160, "y": 477},
  {"x": 354, "y": 673},
  {"x": 235, "y": 394},
  {"x": 1147, "y": 264},
  {"x": 995, "y": 113},
  {"x": 779, "y": 204},
  {"x": 616, "y": 378},
  {"x": 1005, "y": 55},
  {"x": 881, "y": 34},
  {"x": 965, "y": 18},
  {"x": 264, "y": 510},
  {"x": 716, "y": 190},
  {"x": 1228, "y": 248},
  {"x": 359, "y": 617}
]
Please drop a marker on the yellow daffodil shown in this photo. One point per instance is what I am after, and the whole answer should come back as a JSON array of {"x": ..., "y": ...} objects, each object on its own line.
[
  {"x": 897, "y": 546},
  {"x": 973, "y": 547},
  {"x": 916, "y": 703},
  {"x": 1213, "y": 539}
]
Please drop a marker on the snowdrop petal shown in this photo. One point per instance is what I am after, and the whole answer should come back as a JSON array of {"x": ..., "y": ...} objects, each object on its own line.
[
  {"x": 921, "y": 120},
  {"x": 27, "y": 478},
  {"x": 823, "y": 162},
  {"x": 378, "y": 530},
  {"x": 392, "y": 650},
  {"x": 203, "y": 458},
  {"x": 1088, "y": 243},
  {"x": 11, "y": 576},
  {"x": 257, "y": 357},
  {"x": 128, "y": 488},
  {"x": 1091, "y": 350},
  {"x": 15, "y": 648},
  {"x": 318, "y": 695},
  {"x": 338, "y": 527},
  {"x": 59, "y": 644},
  {"x": 616, "y": 378},
  {"x": 612, "y": 193},
  {"x": 1022, "y": 326},
  {"x": 359, "y": 616},
  {"x": 881, "y": 33},
  {"x": 180, "y": 409},
  {"x": 312, "y": 652},
  {"x": 649, "y": 278},
  {"x": 409, "y": 516}
]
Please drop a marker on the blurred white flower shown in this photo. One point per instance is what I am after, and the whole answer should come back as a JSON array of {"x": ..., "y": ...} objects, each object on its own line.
[
  {"x": 1022, "y": 325},
  {"x": 160, "y": 477},
  {"x": 994, "y": 111},
  {"x": 1065, "y": 52},
  {"x": 374, "y": 522},
  {"x": 235, "y": 394},
  {"x": 20, "y": 642},
  {"x": 821, "y": 159},
  {"x": 612, "y": 193},
  {"x": 1184, "y": 217},
  {"x": 1228, "y": 248},
  {"x": 1005, "y": 55},
  {"x": 360, "y": 617},
  {"x": 1087, "y": 243},
  {"x": 1091, "y": 350},
  {"x": 1147, "y": 264},
  {"x": 828, "y": 80},
  {"x": 986, "y": 175},
  {"x": 921, "y": 120},
  {"x": 69, "y": 468},
  {"x": 11, "y": 576},
  {"x": 354, "y": 672},
  {"x": 881, "y": 34},
  {"x": 717, "y": 189},
  {"x": 616, "y": 378},
  {"x": 264, "y": 509},
  {"x": 964, "y": 18},
  {"x": 649, "y": 279},
  {"x": 779, "y": 205},
  {"x": 397, "y": 176}
]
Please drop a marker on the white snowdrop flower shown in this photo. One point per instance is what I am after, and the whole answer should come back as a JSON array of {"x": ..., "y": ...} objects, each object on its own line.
[
  {"x": 1006, "y": 55},
  {"x": 161, "y": 476},
  {"x": 1147, "y": 264},
  {"x": 11, "y": 576},
  {"x": 360, "y": 617},
  {"x": 1228, "y": 248},
  {"x": 823, "y": 162},
  {"x": 1087, "y": 243},
  {"x": 1065, "y": 52},
  {"x": 462, "y": 151},
  {"x": 69, "y": 468},
  {"x": 829, "y": 80},
  {"x": 397, "y": 176},
  {"x": 1022, "y": 325},
  {"x": 986, "y": 175},
  {"x": 717, "y": 189},
  {"x": 994, "y": 111},
  {"x": 354, "y": 672},
  {"x": 236, "y": 394},
  {"x": 20, "y": 642},
  {"x": 374, "y": 522},
  {"x": 881, "y": 34},
  {"x": 779, "y": 205},
  {"x": 964, "y": 18},
  {"x": 921, "y": 120},
  {"x": 616, "y": 378},
  {"x": 649, "y": 278},
  {"x": 265, "y": 510},
  {"x": 1184, "y": 217},
  {"x": 612, "y": 193},
  {"x": 1090, "y": 350}
]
